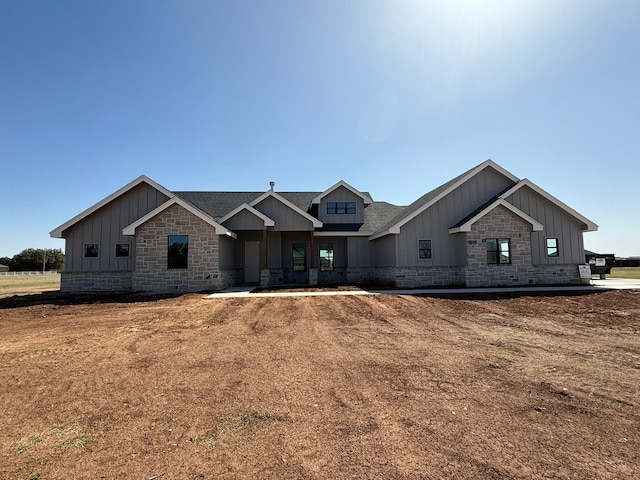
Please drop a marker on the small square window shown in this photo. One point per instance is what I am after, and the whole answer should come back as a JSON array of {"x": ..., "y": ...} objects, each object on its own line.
[
  {"x": 424, "y": 249},
  {"x": 552, "y": 247},
  {"x": 91, "y": 250},
  {"x": 498, "y": 250},
  {"x": 122, "y": 249}
]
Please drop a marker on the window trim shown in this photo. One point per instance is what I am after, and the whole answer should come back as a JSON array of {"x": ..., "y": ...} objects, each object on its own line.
[
  {"x": 422, "y": 249},
  {"x": 179, "y": 266},
  {"x": 84, "y": 250},
  {"x": 556, "y": 247},
  {"x": 498, "y": 251},
  {"x": 128, "y": 255},
  {"x": 293, "y": 257},
  {"x": 331, "y": 260}
]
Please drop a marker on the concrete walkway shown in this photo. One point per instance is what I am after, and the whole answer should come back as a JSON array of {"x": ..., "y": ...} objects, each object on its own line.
[{"x": 596, "y": 285}]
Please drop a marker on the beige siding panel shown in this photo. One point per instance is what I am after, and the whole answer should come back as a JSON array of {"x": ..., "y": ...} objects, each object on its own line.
[
  {"x": 557, "y": 224},
  {"x": 341, "y": 194},
  {"x": 285, "y": 218},
  {"x": 104, "y": 227}
]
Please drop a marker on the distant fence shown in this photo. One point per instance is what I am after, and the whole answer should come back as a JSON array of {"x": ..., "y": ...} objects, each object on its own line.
[{"x": 48, "y": 272}]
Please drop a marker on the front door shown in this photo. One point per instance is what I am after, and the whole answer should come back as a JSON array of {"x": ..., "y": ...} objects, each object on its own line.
[{"x": 252, "y": 262}]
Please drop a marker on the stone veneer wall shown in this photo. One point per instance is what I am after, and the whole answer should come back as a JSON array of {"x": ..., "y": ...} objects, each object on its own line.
[
  {"x": 499, "y": 223},
  {"x": 557, "y": 274},
  {"x": 95, "y": 282},
  {"x": 203, "y": 273}
]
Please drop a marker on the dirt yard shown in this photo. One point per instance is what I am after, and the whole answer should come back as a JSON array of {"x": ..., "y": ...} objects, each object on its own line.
[{"x": 394, "y": 387}]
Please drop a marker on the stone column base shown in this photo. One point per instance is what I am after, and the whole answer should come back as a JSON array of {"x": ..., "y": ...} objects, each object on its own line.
[
  {"x": 313, "y": 276},
  {"x": 265, "y": 276}
]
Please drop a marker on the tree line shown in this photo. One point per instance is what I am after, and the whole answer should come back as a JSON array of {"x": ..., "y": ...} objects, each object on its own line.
[{"x": 34, "y": 259}]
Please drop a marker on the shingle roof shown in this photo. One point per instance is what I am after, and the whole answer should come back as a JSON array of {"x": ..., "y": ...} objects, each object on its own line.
[{"x": 218, "y": 204}]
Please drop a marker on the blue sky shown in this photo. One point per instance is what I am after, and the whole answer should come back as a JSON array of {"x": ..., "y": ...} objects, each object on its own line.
[{"x": 394, "y": 97}]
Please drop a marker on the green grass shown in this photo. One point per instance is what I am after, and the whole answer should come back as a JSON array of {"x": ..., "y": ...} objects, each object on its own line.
[
  {"x": 12, "y": 282},
  {"x": 625, "y": 272}
]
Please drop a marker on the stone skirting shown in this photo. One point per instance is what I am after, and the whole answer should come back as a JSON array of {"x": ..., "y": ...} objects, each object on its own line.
[
  {"x": 556, "y": 274},
  {"x": 96, "y": 282}
]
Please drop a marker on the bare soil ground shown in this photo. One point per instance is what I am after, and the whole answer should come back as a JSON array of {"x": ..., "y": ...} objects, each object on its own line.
[{"x": 398, "y": 387}]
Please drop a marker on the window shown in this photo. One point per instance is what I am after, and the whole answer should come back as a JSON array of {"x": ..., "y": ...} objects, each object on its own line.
[
  {"x": 498, "y": 250},
  {"x": 178, "y": 251},
  {"x": 341, "y": 208},
  {"x": 122, "y": 249},
  {"x": 299, "y": 257},
  {"x": 91, "y": 250},
  {"x": 326, "y": 257},
  {"x": 424, "y": 249},
  {"x": 552, "y": 247}
]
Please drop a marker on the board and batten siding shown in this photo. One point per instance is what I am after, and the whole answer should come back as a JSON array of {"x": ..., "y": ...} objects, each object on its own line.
[
  {"x": 434, "y": 223},
  {"x": 341, "y": 194},
  {"x": 244, "y": 220},
  {"x": 285, "y": 218},
  {"x": 361, "y": 252},
  {"x": 104, "y": 227},
  {"x": 557, "y": 224}
]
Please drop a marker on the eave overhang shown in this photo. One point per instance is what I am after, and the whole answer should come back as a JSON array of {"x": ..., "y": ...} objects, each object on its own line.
[
  {"x": 268, "y": 222},
  {"x": 219, "y": 229},
  {"x": 466, "y": 226},
  {"x": 365, "y": 198},
  {"x": 57, "y": 232},
  {"x": 590, "y": 226}
]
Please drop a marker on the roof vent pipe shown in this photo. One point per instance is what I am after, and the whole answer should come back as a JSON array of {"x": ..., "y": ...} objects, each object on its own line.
[{"x": 271, "y": 185}]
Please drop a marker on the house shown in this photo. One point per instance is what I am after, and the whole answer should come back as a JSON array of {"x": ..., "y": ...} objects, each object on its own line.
[
  {"x": 485, "y": 227},
  {"x": 4, "y": 268}
]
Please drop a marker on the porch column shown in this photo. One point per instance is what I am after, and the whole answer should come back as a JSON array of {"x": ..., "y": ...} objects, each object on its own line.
[
  {"x": 265, "y": 277},
  {"x": 313, "y": 270}
]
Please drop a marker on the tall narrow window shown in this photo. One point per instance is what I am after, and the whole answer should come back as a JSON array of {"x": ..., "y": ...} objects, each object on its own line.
[
  {"x": 326, "y": 257},
  {"x": 552, "y": 247},
  {"x": 178, "y": 251},
  {"x": 424, "y": 249},
  {"x": 498, "y": 250},
  {"x": 299, "y": 257}
]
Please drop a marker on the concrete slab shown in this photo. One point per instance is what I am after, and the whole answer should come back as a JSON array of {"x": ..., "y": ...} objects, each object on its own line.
[{"x": 596, "y": 285}]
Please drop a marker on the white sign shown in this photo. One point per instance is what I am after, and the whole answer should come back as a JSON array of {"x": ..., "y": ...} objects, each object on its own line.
[
  {"x": 601, "y": 262},
  {"x": 585, "y": 271}
]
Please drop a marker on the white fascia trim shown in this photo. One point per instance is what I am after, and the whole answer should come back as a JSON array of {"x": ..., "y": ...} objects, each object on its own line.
[
  {"x": 219, "y": 229},
  {"x": 466, "y": 227},
  {"x": 57, "y": 232},
  {"x": 268, "y": 222},
  {"x": 341, "y": 234},
  {"x": 366, "y": 198},
  {"x": 591, "y": 227},
  {"x": 395, "y": 229},
  {"x": 316, "y": 223}
]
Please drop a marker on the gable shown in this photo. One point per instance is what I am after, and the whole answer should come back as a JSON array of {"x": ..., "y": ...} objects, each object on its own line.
[
  {"x": 138, "y": 197},
  {"x": 458, "y": 197},
  {"x": 286, "y": 215},
  {"x": 466, "y": 224},
  {"x": 342, "y": 185},
  {"x": 245, "y": 217},
  {"x": 544, "y": 207}
]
